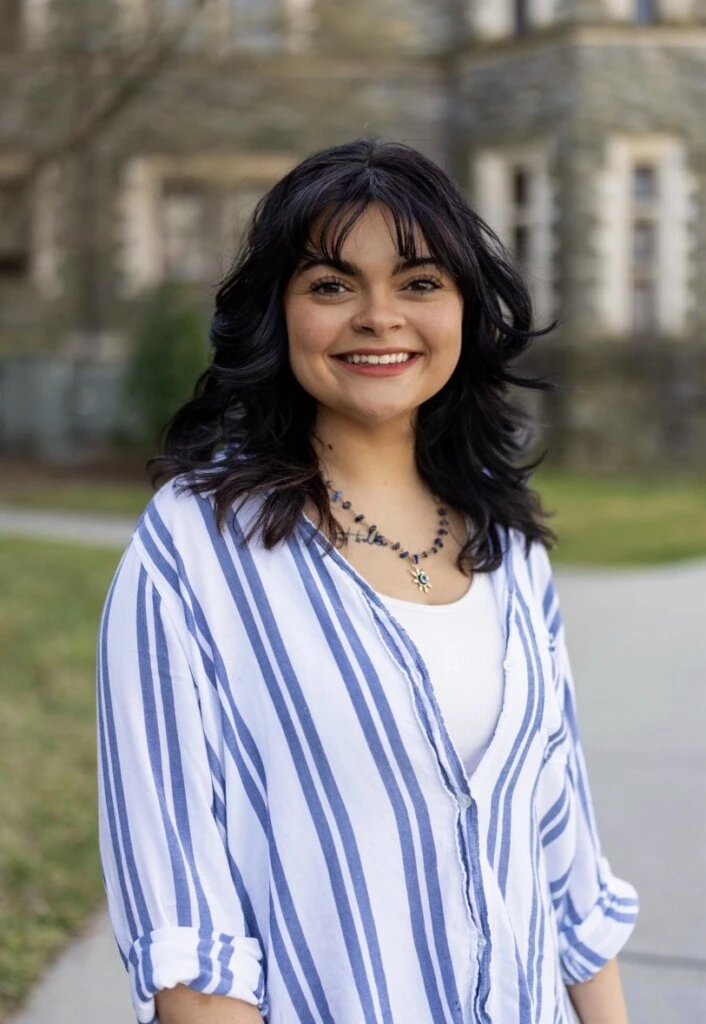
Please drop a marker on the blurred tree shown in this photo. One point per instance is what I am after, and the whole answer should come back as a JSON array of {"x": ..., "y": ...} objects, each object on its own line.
[{"x": 169, "y": 355}]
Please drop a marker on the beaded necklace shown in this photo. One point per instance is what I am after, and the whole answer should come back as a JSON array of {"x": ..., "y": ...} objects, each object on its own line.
[{"x": 420, "y": 577}]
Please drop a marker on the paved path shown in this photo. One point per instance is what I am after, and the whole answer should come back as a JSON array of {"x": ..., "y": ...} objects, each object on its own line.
[
  {"x": 101, "y": 531},
  {"x": 638, "y": 645}
]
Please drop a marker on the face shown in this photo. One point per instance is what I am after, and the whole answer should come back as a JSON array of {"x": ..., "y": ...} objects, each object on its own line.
[{"x": 371, "y": 339}]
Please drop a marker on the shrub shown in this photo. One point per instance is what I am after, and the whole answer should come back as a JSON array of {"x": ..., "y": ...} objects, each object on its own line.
[{"x": 170, "y": 353}]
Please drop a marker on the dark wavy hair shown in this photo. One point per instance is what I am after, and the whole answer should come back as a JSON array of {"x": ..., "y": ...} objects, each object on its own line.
[{"x": 247, "y": 430}]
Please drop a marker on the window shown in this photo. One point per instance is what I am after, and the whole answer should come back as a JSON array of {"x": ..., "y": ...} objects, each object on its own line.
[
  {"x": 223, "y": 26},
  {"x": 14, "y": 228},
  {"x": 238, "y": 205},
  {"x": 202, "y": 224},
  {"x": 644, "y": 182},
  {"x": 645, "y": 12},
  {"x": 498, "y": 19},
  {"x": 644, "y": 227},
  {"x": 178, "y": 12},
  {"x": 10, "y": 24},
  {"x": 521, "y": 215},
  {"x": 256, "y": 24},
  {"x": 644, "y": 242},
  {"x": 522, "y": 21},
  {"x": 513, "y": 192},
  {"x": 185, "y": 231},
  {"x": 183, "y": 217}
]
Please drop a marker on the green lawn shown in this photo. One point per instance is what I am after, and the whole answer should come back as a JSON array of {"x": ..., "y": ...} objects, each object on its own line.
[
  {"x": 624, "y": 522},
  {"x": 123, "y": 499},
  {"x": 600, "y": 521},
  {"x": 50, "y": 601}
]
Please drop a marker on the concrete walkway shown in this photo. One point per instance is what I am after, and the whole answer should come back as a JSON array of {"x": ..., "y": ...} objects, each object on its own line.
[
  {"x": 79, "y": 528},
  {"x": 638, "y": 644}
]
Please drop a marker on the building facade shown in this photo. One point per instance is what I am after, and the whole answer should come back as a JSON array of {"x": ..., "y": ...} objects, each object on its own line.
[{"x": 575, "y": 125}]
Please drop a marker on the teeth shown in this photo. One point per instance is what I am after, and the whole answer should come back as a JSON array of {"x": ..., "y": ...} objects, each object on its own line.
[{"x": 395, "y": 357}]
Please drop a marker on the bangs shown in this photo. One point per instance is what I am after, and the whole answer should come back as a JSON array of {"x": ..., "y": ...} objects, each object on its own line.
[{"x": 324, "y": 226}]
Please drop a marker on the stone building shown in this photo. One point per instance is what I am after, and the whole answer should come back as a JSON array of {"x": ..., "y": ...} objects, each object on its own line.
[{"x": 575, "y": 125}]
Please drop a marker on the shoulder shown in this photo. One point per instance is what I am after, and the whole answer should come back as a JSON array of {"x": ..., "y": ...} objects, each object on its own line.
[
  {"x": 173, "y": 515},
  {"x": 533, "y": 571},
  {"x": 178, "y": 528},
  {"x": 532, "y": 555}
]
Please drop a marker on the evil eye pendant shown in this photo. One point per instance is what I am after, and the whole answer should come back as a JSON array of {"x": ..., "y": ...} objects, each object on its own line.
[{"x": 420, "y": 578}]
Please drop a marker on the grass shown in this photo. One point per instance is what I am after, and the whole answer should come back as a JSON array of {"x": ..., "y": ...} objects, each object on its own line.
[
  {"x": 124, "y": 499},
  {"x": 49, "y": 868},
  {"x": 605, "y": 522},
  {"x": 600, "y": 521}
]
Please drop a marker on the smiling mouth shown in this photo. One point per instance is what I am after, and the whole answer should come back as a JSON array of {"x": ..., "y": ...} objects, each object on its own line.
[{"x": 384, "y": 359}]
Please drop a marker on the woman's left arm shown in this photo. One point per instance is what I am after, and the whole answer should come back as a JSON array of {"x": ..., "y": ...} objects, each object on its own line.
[
  {"x": 596, "y": 911},
  {"x": 600, "y": 1000}
]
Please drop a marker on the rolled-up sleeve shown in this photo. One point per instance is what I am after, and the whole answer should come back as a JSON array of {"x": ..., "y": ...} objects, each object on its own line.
[
  {"x": 598, "y": 910},
  {"x": 175, "y": 909}
]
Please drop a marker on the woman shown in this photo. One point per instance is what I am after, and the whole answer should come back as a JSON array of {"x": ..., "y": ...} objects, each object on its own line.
[{"x": 341, "y": 779}]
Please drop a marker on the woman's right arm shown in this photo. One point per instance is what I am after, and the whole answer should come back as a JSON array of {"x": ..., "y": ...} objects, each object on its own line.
[
  {"x": 178, "y": 904},
  {"x": 182, "y": 1005}
]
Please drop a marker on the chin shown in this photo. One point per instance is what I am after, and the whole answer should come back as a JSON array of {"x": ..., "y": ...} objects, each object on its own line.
[{"x": 382, "y": 414}]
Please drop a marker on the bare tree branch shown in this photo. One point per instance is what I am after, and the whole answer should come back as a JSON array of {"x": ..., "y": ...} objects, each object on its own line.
[{"x": 143, "y": 66}]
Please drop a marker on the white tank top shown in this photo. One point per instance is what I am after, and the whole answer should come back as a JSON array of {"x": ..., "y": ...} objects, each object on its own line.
[{"x": 462, "y": 646}]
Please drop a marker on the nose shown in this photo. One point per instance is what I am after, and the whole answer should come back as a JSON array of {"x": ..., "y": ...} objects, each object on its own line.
[{"x": 377, "y": 318}]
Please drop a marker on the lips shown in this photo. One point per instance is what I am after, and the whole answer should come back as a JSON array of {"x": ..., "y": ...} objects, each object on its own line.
[
  {"x": 378, "y": 364},
  {"x": 377, "y": 358}
]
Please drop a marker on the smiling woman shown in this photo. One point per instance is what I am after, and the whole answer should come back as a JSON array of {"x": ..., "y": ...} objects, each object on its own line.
[{"x": 341, "y": 777}]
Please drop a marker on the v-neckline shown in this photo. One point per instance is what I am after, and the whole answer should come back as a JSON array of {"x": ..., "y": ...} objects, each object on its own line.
[{"x": 504, "y": 591}]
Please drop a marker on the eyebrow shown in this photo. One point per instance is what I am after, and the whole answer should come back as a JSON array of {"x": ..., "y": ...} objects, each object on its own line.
[{"x": 353, "y": 270}]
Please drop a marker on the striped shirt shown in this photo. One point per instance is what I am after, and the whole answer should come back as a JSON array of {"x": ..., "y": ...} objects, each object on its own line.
[{"x": 283, "y": 815}]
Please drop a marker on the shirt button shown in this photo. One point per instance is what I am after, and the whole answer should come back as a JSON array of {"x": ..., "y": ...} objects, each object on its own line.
[{"x": 464, "y": 801}]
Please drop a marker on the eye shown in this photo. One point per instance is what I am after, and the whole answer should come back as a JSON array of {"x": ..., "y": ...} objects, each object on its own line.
[
  {"x": 430, "y": 281},
  {"x": 330, "y": 286},
  {"x": 327, "y": 286}
]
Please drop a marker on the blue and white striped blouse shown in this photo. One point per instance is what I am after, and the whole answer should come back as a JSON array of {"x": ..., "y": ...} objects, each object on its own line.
[{"x": 284, "y": 818}]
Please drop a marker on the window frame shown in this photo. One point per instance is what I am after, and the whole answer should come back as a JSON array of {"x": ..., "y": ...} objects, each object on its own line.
[
  {"x": 492, "y": 186},
  {"x": 674, "y": 213},
  {"x": 141, "y": 243}
]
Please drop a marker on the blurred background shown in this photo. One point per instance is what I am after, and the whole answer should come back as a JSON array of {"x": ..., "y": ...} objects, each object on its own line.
[{"x": 135, "y": 138}]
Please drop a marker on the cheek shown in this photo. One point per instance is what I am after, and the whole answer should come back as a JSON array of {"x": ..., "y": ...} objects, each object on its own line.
[
  {"x": 444, "y": 332},
  {"x": 310, "y": 331}
]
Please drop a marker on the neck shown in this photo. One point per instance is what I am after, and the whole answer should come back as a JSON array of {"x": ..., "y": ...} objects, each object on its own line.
[{"x": 375, "y": 457}]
